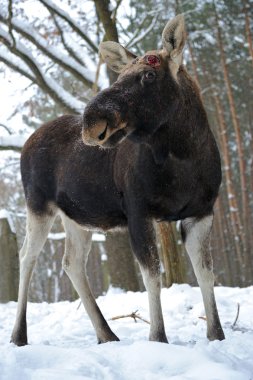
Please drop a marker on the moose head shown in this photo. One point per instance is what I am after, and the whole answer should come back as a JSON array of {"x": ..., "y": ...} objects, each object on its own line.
[{"x": 145, "y": 96}]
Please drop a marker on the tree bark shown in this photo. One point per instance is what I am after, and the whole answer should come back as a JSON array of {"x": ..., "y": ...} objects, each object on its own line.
[
  {"x": 121, "y": 262},
  {"x": 9, "y": 268},
  {"x": 94, "y": 271},
  {"x": 105, "y": 16},
  {"x": 247, "y": 28},
  {"x": 172, "y": 260},
  {"x": 234, "y": 211}
]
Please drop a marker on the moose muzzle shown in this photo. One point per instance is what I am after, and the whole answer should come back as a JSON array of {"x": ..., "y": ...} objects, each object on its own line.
[{"x": 100, "y": 131}]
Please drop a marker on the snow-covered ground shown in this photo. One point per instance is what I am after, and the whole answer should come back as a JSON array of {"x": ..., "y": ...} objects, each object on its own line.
[{"x": 63, "y": 344}]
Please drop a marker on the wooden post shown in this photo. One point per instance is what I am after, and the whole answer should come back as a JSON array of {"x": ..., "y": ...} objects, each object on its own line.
[{"x": 9, "y": 263}]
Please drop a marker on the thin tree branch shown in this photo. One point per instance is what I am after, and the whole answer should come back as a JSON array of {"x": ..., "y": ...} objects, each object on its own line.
[
  {"x": 114, "y": 13},
  {"x": 237, "y": 315},
  {"x": 137, "y": 30},
  {"x": 9, "y": 22},
  {"x": 59, "y": 12},
  {"x": 17, "y": 67},
  {"x": 144, "y": 33},
  {"x": 64, "y": 42},
  {"x": 73, "y": 67},
  {"x": 133, "y": 315},
  {"x": 48, "y": 85},
  {"x": 11, "y": 147},
  {"x": 6, "y": 128}
]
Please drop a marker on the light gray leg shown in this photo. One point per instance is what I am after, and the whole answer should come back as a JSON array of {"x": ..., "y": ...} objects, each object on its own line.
[
  {"x": 37, "y": 230},
  {"x": 77, "y": 247},
  {"x": 152, "y": 284},
  {"x": 196, "y": 234},
  {"x": 143, "y": 242}
]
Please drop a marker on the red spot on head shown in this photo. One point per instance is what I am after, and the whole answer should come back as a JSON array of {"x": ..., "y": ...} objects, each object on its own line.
[{"x": 152, "y": 60}]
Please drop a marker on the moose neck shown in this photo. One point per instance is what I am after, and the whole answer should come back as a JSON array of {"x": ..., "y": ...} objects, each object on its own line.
[{"x": 185, "y": 132}]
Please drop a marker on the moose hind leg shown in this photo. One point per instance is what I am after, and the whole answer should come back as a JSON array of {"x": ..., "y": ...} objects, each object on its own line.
[
  {"x": 196, "y": 235},
  {"x": 37, "y": 229},
  {"x": 77, "y": 247}
]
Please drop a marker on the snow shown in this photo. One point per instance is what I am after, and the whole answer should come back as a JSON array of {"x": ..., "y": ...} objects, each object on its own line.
[
  {"x": 56, "y": 235},
  {"x": 53, "y": 51},
  {"x": 144, "y": 33},
  {"x": 61, "y": 235},
  {"x": 63, "y": 345},
  {"x": 98, "y": 237},
  {"x": 13, "y": 89},
  {"x": 16, "y": 140},
  {"x": 65, "y": 15},
  {"x": 65, "y": 96}
]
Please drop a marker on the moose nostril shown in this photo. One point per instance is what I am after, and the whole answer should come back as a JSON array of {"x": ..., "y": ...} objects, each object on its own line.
[{"x": 102, "y": 135}]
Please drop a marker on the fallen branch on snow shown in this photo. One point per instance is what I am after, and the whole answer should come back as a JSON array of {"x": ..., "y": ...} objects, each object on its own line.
[
  {"x": 237, "y": 315},
  {"x": 236, "y": 318},
  {"x": 133, "y": 315}
]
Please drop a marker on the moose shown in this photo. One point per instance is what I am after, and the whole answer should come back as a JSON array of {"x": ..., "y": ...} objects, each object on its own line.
[{"x": 142, "y": 152}]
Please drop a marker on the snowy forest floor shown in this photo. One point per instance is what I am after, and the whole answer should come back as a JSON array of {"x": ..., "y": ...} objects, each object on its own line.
[{"x": 63, "y": 343}]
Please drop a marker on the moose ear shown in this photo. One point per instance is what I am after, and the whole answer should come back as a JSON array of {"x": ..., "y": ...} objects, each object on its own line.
[
  {"x": 115, "y": 55},
  {"x": 174, "y": 37}
]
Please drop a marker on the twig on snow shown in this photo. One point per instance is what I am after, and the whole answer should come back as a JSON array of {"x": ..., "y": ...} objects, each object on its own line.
[
  {"x": 133, "y": 315},
  {"x": 237, "y": 315}
]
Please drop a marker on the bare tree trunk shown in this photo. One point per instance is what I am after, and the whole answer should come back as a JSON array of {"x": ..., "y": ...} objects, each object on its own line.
[
  {"x": 172, "y": 260},
  {"x": 94, "y": 271},
  {"x": 234, "y": 211},
  {"x": 247, "y": 28},
  {"x": 221, "y": 248},
  {"x": 9, "y": 268},
  {"x": 121, "y": 262},
  {"x": 193, "y": 62},
  {"x": 236, "y": 125}
]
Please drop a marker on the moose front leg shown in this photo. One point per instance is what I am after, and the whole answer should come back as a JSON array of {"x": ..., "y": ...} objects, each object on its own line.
[
  {"x": 143, "y": 242},
  {"x": 196, "y": 235}
]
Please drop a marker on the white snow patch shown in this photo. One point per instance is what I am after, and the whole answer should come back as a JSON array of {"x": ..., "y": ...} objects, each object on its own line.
[
  {"x": 98, "y": 237},
  {"x": 16, "y": 140},
  {"x": 56, "y": 235},
  {"x": 63, "y": 343}
]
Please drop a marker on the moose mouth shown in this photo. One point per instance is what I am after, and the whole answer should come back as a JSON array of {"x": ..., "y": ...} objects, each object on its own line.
[{"x": 116, "y": 138}]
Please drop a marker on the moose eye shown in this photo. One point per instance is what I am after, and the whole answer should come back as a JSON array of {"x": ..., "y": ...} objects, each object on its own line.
[{"x": 149, "y": 76}]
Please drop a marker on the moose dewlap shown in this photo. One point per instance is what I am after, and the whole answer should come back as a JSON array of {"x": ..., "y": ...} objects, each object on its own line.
[{"x": 161, "y": 163}]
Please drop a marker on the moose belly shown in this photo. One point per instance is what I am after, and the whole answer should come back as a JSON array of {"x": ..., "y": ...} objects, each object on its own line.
[{"x": 92, "y": 212}]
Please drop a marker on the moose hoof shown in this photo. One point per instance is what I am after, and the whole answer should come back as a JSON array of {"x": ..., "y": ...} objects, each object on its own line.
[
  {"x": 159, "y": 337},
  {"x": 108, "y": 338},
  {"x": 216, "y": 335},
  {"x": 19, "y": 340}
]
